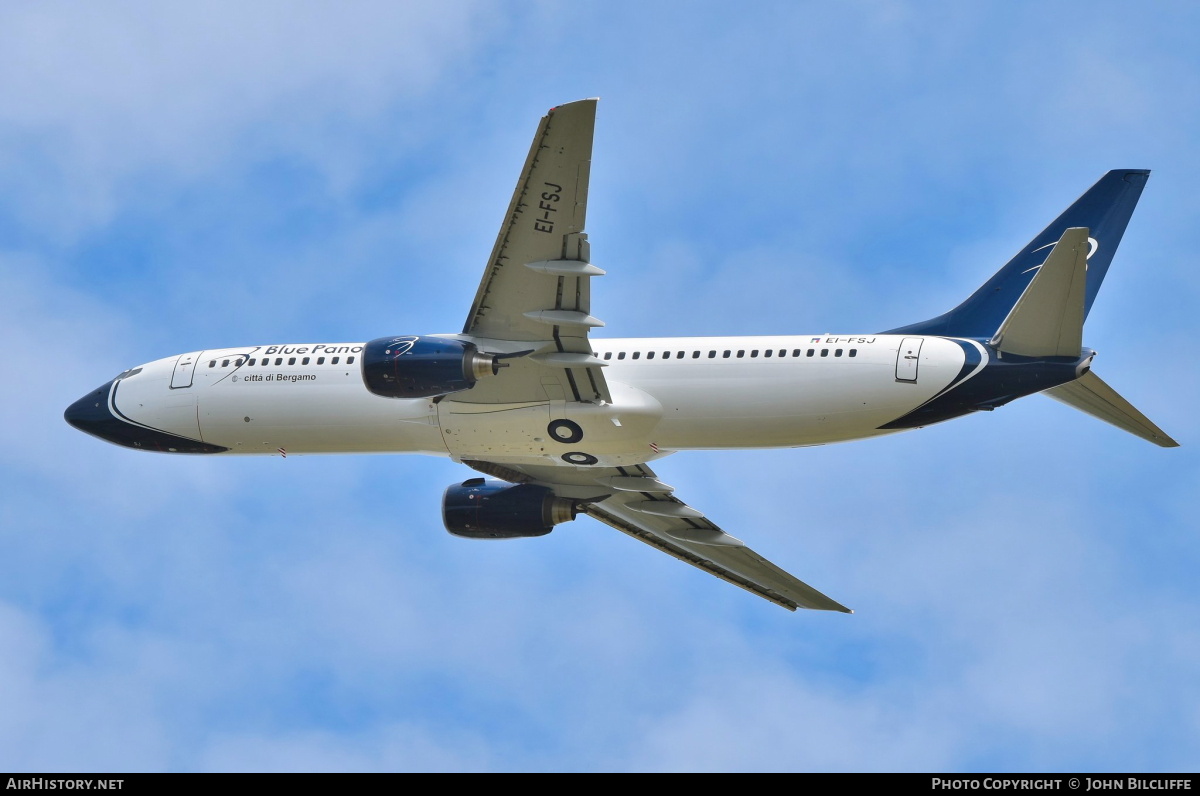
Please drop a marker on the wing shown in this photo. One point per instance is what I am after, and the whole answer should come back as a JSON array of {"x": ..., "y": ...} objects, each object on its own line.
[
  {"x": 633, "y": 500},
  {"x": 536, "y": 288}
]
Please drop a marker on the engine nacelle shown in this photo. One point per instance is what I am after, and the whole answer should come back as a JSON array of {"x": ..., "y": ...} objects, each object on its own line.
[
  {"x": 482, "y": 509},
  {"x": 423, "y": 367}
]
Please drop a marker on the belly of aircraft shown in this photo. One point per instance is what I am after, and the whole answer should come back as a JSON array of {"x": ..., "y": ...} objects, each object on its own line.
[
  {"x": 554, "y": 432},
  {"x": 655, "y": 410}
]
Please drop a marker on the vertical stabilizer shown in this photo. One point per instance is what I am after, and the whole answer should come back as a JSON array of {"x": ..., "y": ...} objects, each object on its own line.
[{"x": 1104, "y": 210}]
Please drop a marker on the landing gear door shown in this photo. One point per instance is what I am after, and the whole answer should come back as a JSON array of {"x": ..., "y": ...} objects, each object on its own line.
[
  {"x": 907, "y": 358},
  {"x": 185, "y": 366},
  {"x": 557, "y": 396}
]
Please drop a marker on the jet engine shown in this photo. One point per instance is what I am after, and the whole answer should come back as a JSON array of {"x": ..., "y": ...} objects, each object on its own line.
[
  {"x": 482, "y": 509},
  {"x": 423, "y": 367}
]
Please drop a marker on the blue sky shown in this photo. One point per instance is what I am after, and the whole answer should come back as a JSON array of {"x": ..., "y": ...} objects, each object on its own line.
[{"x": 176, "y": 178}]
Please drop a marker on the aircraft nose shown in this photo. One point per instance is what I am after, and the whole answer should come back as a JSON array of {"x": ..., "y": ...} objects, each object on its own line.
[{"x": 90, "y": 413}]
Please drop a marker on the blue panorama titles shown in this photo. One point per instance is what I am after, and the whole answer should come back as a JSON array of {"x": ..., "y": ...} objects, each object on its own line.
[{"x": 314, "y": 349}]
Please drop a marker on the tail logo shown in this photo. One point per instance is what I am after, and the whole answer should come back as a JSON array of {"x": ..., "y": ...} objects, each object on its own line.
[{"x": 1093, "y": 247}]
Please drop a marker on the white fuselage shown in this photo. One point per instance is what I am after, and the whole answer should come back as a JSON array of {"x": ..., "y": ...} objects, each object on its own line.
[{"x": 668, "y": 394}]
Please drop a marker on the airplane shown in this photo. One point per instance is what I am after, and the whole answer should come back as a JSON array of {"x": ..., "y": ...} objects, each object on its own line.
[{"x": 559, "y": 423}]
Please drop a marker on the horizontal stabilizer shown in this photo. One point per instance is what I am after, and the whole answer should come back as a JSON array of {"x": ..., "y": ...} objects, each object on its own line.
[
  {"x": 1090, "y": 394},
  {"x": 1047, "y": 321}
]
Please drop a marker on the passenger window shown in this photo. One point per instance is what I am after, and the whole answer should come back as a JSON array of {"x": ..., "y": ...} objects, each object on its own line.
[
  {"x": 726, "y": 354},
  {"x": 649, "y": 355},
  {"x": 637, "y": 354},
  {"x": 320, "y": 360},
  {"x": 304, "y": 361},
  {"x": 291, "y": 360},
  {"x": 741, "y": 354},
  {"x": 349, "y": 360},
  {"x": 824, "y": 352},
  {"x": 334, "y": 361},
  {"x": 620, "y": 355},
  {"x": 795, "y": 352},
  {"x": 754, "y": 353},
  {"x": 212, "y": 363},
  {"x": 225, "y": 363},
  {"x": 837, "y": 353},
  {"x": 810, "y": 352},
  {"x": 251, "y": 362},
  {"x": 608, "y": 354},
  {"x": 695, "y": 355},
  {"x": 239, "y": 362},
  {"x": 768, "y": 352},
  {"x": 712, "y": 354},
  {"x": 853, "y": 352}
]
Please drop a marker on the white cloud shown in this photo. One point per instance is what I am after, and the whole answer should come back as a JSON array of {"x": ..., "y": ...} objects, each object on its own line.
[
  {"x": 92, "y": 98},
  {"x": 396, "y": 747}
]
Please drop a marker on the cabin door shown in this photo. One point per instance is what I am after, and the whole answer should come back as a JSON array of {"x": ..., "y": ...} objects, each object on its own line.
[
  {"x": 185, "y": 366},
  {"x": 907, "y": 358}
]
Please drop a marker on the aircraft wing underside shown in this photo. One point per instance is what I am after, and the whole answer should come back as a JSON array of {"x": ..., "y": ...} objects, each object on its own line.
[
  {"x": 537, "y": 285},
  {"x": 634, "y": 501}
]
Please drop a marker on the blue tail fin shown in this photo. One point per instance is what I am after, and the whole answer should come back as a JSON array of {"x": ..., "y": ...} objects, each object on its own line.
[{"x": 1105, "y": 210}]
